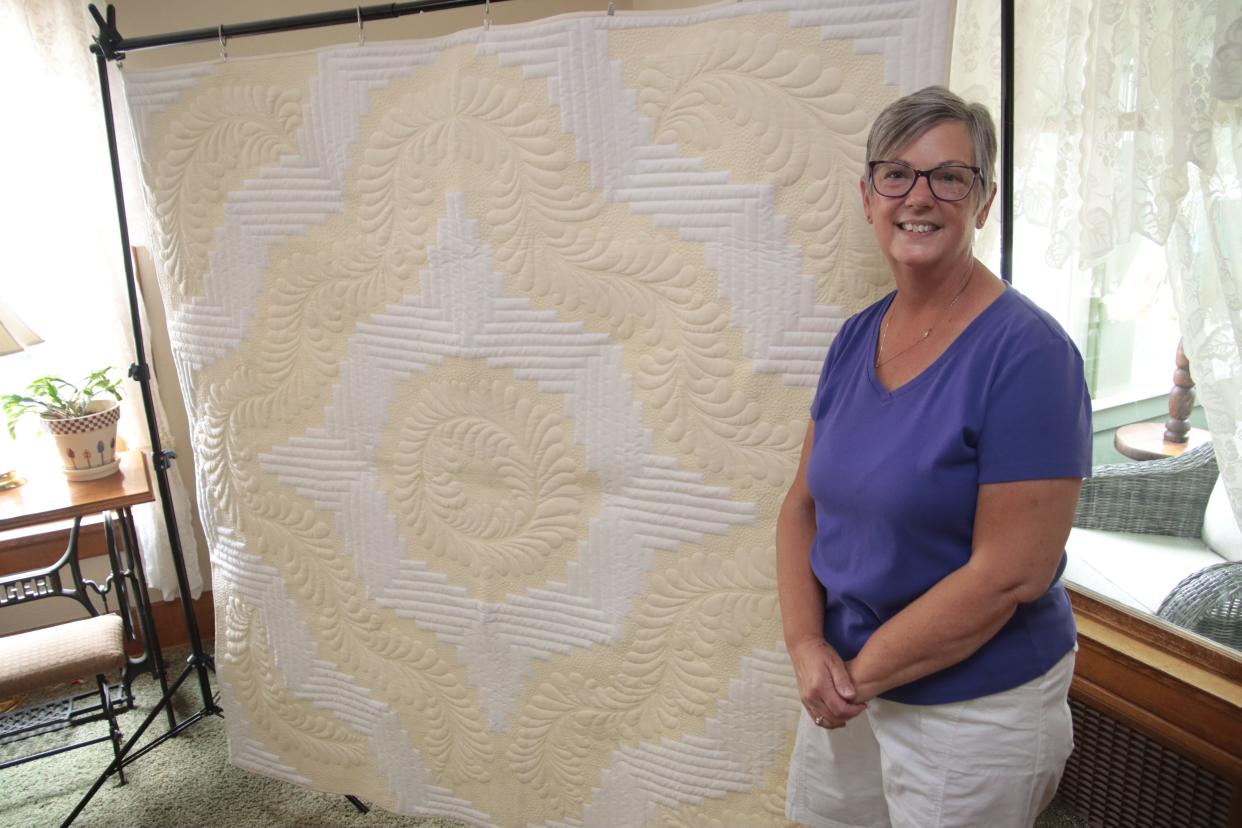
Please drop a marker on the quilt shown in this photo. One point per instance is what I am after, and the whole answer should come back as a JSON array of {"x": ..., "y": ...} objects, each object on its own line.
[{"x": 497, "y": 350}]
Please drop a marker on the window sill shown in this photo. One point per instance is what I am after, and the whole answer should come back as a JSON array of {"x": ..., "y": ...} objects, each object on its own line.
[{"x": 1113, "y": 412}]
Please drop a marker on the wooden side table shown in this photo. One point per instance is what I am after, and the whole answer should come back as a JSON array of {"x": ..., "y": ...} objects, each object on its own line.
[
  {"x": 49, "y": 497},
  {"x": 1145, "y": 441}
]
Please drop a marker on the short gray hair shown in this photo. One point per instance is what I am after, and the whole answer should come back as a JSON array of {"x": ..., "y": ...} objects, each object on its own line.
[{"x": 906, "y": 119}]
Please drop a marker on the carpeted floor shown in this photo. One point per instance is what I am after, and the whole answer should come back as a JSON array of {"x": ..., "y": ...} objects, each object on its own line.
[{"x": 188, "y": 783}]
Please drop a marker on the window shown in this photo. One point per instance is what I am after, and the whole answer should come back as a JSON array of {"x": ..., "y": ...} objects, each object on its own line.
[{"x": 1127, "y": 215}]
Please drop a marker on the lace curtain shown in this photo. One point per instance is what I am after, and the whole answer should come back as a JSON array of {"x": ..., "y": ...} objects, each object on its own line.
[
  {"x": 62, "y": 270},
  {"x": 1128, "y": 122}
]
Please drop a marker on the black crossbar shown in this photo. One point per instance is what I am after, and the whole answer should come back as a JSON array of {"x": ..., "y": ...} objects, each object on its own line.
[{"x": 113, "y": 46}]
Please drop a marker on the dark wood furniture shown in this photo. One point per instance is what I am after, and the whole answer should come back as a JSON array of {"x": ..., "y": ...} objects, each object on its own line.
[{"x": 49, "y": 496}]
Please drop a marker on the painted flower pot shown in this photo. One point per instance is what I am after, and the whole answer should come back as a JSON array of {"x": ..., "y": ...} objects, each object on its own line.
[{"x": 87, "y": 444}]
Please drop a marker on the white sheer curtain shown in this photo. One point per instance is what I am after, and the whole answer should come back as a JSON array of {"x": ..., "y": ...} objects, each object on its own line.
[
  {"x": 1206, "y": 243},
  {"x": 62, "y": 270},
  {"x": 1128, "y": 120}
]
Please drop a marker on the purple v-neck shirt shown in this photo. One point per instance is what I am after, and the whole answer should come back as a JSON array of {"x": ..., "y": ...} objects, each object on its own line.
[{"x": 896, "y": 475}]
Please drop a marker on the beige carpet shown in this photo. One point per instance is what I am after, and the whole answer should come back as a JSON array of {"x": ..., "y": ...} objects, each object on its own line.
[{"x": 186, "y": 782}]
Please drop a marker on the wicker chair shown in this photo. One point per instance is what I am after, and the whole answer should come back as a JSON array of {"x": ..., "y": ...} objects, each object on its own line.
[
  {"x": 1169, "y": 497},
  {"x": 1209, "y": 602},
  {"x": 1158, "y": 497}
]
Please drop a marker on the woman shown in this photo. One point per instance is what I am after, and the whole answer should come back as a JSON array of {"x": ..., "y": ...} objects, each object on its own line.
[{"x": 920, "y": 546}]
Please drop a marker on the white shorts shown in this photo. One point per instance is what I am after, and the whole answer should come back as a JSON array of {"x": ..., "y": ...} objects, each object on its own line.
[{"x": 992, "y": 761}]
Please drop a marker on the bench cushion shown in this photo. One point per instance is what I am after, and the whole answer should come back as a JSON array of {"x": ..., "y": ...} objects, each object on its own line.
[
  {"x": 61, "y": 653},
  {"x": 1133, "y": 569}
]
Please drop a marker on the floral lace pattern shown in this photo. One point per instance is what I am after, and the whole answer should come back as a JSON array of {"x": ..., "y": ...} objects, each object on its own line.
[{"x": 1129, "y": 123}]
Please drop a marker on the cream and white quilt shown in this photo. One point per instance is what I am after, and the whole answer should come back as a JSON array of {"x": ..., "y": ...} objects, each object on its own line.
[{"x": 498, "y": 350}]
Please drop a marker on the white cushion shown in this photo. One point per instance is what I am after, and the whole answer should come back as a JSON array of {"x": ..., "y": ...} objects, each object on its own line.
[
  {"x": 1220, "y": 528},
  {"x": 1133, "y": 569}
]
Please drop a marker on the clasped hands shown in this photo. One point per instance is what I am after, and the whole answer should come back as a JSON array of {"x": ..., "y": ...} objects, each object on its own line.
[{"x": 824, "y": 684}]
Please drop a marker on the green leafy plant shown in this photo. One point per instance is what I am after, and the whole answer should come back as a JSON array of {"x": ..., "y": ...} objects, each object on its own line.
[{"x": 57, "y": 399}]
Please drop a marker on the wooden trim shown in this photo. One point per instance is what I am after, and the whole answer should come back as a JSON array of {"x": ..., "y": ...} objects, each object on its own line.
[
  {"x": 1200, "y": 724},
  {"x": 170, "y": 625},
  {"x": 1133, "y": 675},
  {"x": 170, "y": 621},
  {"x": 1158, "y": 634}
]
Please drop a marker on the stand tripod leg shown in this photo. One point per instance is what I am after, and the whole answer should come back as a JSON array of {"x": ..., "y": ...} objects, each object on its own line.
[
  {"x": 199, "y": 662},
  {"x": 141, "y": 372},
  {"x": 123, "y": 758}
]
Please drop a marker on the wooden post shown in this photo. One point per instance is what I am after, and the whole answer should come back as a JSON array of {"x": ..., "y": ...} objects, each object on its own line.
[{"x": 1181, "y": 400}]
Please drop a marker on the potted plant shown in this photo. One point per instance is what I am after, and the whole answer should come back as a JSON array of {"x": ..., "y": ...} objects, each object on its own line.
[{"x": 81, "y": 418}]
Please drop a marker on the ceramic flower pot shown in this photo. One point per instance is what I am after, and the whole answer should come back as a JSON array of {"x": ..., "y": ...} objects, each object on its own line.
[{"x": 87, "y": 444}]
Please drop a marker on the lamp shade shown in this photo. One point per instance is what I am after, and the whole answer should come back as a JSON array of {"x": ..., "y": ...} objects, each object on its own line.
[{"x": 15, "y": 335}]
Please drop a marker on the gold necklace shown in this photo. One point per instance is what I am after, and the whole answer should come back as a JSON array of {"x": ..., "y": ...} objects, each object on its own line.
[{"x": 888, "y": 323}]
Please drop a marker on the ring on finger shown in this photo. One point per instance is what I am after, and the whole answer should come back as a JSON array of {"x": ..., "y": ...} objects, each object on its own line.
[{"x": 819, "y": 720}]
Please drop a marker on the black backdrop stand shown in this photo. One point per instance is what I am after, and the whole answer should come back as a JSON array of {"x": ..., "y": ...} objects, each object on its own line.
[
  {"x": 109, "y": 45},
  {"x": 1006, "y": 136},
  {"x": 199, "y": 663}
]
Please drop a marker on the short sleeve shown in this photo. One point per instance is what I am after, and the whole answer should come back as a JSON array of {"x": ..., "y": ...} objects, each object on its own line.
[{"x": 1037, "y": 421}]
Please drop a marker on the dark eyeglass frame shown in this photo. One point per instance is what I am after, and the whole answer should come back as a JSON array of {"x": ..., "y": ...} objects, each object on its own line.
[{"x": 871, "y": 165}]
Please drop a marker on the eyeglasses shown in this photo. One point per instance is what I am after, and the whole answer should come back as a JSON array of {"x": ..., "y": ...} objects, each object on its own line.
[{"x": 948, "y": 182}]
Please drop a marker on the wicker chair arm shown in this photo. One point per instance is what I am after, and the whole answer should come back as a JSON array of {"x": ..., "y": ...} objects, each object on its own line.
[
  {"x": 1209, "y": 602},
  {"x": 1158, "y": 497}
]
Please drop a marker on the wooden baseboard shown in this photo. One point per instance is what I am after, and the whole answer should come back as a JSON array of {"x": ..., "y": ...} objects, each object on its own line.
[{"x": 170, "y": 621}]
